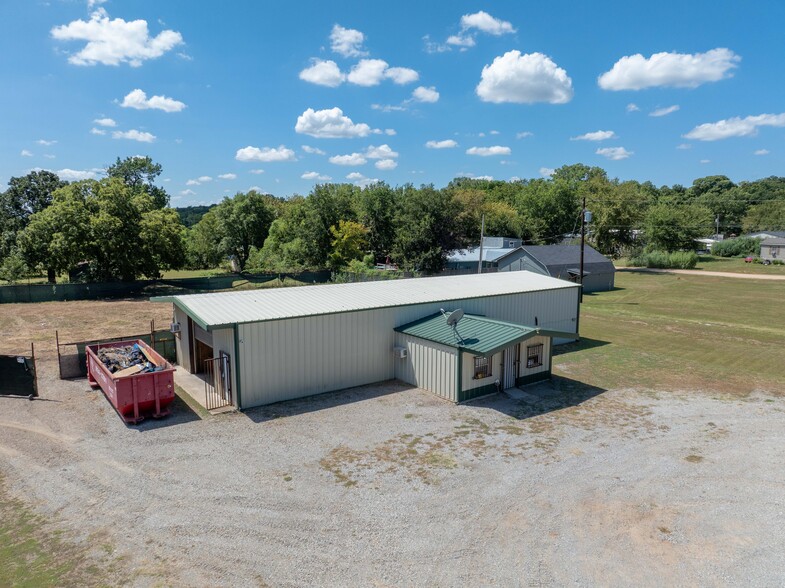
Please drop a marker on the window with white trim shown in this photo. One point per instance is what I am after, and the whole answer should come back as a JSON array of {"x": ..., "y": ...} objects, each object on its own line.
[
  {"x": 482, "y": 367},
  {"x": 534, "y": 355}
]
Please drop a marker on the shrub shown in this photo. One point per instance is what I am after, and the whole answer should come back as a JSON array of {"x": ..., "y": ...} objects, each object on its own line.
[
  {"x": 683, "y": 260},
  {"x": 739, "y": 247},
  {"x": 665, "y": 260}
]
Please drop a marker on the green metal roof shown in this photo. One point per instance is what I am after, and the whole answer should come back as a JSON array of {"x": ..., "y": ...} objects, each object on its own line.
[{"x": 475, "y": 334}]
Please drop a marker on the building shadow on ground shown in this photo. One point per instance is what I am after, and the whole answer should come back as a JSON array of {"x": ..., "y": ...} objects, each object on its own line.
[
  {"x": 584, "y": 343},
  {"x": 324, "y": 401},
  {"x": 540, "y": 398}
]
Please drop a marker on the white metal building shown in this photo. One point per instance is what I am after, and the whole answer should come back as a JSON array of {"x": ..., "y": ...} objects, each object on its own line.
[{"x": 285, "y": 343}]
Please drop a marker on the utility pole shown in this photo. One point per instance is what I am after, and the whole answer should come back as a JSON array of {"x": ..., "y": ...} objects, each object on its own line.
[
  {"x": 482, "y": 238},
  {"x": 583, "y": 242},
  {"x": 717, "y": 234}
]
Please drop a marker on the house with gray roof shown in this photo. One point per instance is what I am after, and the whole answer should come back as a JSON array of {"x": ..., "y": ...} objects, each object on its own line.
[{"x": 563, "y": 262}]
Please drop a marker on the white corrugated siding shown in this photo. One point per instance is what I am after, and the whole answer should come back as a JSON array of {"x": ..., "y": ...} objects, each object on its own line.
[
  {"x": 182, "y": 340},
  {"x": 429, "y": 365},
  {"x": 292, "y": 358}
]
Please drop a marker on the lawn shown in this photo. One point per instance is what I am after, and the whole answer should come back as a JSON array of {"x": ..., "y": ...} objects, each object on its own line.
[
  {"x": 735, "y": 265},
  {"x": 680, "y": 332}
]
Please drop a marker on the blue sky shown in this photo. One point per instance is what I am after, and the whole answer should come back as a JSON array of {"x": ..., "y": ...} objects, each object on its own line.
[{"x": 277, "y": 96}]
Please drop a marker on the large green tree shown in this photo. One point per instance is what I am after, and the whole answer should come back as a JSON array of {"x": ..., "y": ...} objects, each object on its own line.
[
  {"x": 25, "y": 196},
  {"x": 427, "y": 229},
  {"x": 673, "y": 227},
  {"x": 243, "y": 223},
  {"x": 121, "y": 234},
  {"x": 139, "y": 173},
  {"x": 767, "y": 216}
]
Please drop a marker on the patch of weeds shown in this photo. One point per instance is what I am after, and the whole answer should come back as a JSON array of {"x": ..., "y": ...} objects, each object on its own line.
[
  {"x": 287, "y": 478},
  {"x": 408, "y": 415},
  {"x": 31, "y": 554},
  {"x": 664, "y": 530},
  {"x": 694, "y": 458},
  {"x": 335, "y": 462}
]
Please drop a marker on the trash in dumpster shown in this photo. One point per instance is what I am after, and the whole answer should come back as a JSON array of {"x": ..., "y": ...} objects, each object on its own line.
[{"x": 127, "y": 360}]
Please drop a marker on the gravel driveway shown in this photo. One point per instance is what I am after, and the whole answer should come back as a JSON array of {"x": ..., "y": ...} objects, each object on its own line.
[{"x": 390, "y": 486}]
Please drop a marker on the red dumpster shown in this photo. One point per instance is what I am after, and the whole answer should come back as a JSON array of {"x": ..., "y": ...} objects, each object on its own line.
[{"x": 133, "y": 394}]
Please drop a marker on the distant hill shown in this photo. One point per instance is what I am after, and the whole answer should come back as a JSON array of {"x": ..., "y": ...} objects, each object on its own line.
[{"x": 190, "y": 215}]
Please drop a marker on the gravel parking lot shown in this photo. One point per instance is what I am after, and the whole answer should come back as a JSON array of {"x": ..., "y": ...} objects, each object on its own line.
[{"x": 390, "y": 486}]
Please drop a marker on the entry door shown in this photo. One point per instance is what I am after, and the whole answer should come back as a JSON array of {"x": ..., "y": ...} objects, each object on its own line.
[{"x": 511, "y": 355}]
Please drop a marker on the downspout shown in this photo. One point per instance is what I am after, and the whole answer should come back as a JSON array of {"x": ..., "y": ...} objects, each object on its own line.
[
  {"x": 459, "y": 376},
  {"x": 237, "y": 365}
]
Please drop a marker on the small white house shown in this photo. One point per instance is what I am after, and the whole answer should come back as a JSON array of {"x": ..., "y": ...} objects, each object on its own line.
[
  {"x": 285, "y": 343},
  {"x": 772, "y": 249}
]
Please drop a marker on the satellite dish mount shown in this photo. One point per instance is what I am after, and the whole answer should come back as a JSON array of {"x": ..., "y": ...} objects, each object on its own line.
[{"x": 453, "y": 319}]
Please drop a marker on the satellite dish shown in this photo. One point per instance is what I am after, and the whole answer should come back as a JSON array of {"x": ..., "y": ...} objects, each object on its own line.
[{"x": 455, "y": 316}]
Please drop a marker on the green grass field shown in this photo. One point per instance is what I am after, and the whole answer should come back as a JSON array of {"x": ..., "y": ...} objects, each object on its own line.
[
  {"x": 666, "y": 331},
  {"x": 735, "y": 265}
]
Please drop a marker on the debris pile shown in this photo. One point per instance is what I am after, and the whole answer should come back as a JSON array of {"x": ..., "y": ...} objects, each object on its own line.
[{"x": 128, "y": 360}]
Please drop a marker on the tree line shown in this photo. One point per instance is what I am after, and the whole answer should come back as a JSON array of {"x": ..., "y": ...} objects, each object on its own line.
[{"x": 121, "y": 227}]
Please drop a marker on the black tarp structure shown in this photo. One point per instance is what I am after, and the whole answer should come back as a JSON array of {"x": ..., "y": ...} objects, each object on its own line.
[{"x": 17, "y": 375}]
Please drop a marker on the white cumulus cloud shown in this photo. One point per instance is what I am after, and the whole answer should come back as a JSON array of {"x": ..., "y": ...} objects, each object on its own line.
[
  {"x": 380, "y": 152},
  {"x": 45, "y": 143},
  {"x": 229, "y": 176},
  {"x": 361, "y": 180},
  {"x": 367, "y": 72},
  {"x": 547, "y": 172},
  {"x": 482, "y": 21},
  {"x": 401, "y": 75},
  {"x": 446, "y": 144},
  {"x": 678, "y": 70},
  {"x": 462, "y": 41},
  {"x": 524, "y": 79},
  {"x": 313, "y": 150},
  {"x": 76, "y": 175},
  {"x": 329, "y": 124},
  {"x": 386, "y": 164},
  {"x": 193, "y": 183},
  {"x": 352, "y": 159},
  {"x": 614, "y": 153},
  {"x": 266, "y": 154},
  {"x": 134, "y": 135},
  {"x": 762, "y": 152},
  {"x": 632, "y": 107},
  {"x": 312, "y": 175},
  {"x": 105, "y": 122},
  {"x": 188, "y": 192},
  {"x": 488, "y": 151},
  {"x": 524, "y": 134},
  {"x": 664, "y": 111},
  {"x": 26, "y": 153},
  {"x": 735, "y": 127},
  {"x": 595, "y": 136},
  {"x": 323, "y": 73},
  {"x": 138, "y": 100},
  {"x": 423, "y": 94},
  {"x": 115, "y": 41},
  {"x": 347, "y": 42}
]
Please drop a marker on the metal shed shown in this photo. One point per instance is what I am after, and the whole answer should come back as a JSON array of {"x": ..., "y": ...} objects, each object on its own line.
[{"x": 285, "y": 343}]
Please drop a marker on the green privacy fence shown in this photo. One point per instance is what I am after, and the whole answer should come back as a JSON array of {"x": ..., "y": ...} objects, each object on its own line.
[
  {"x": 18, "y": 375},
  {"x": 146, "y": 288}
]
